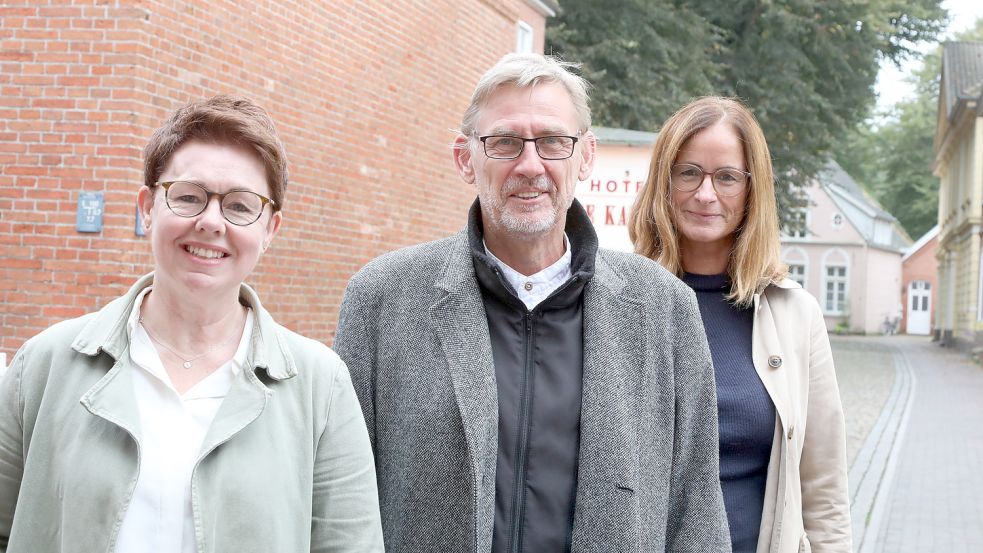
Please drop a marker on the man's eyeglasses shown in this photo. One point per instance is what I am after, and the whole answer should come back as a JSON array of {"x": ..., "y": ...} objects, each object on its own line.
[
  {"x": 726, "y": 181},
  {"x": 239, "y": 207},
  {"x": 510, "y": 147}
]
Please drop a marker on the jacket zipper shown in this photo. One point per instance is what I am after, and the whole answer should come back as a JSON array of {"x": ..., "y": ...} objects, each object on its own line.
[{"x": 525, "y": 392}]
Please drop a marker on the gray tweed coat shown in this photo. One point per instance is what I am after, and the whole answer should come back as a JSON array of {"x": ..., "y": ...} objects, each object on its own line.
[{"x": 414, "y": 335}]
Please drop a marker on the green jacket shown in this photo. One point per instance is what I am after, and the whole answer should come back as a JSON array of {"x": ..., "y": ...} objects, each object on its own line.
[{"x": 285, "y": 467}]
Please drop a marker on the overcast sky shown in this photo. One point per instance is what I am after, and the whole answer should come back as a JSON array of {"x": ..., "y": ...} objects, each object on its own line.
[{"x": 890, "y": 81}]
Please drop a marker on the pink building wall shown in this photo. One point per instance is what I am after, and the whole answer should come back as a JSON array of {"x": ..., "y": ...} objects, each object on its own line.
[{"x": 873, "y": 274}]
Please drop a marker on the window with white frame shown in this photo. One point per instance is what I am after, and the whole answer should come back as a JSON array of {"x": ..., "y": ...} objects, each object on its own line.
[
  {"x": 919, "y": 294},
  {"x": 798, "y": 223},
  {"x": 835, "y": 298},
  {"x": 797, "y": 261},
  {"x": 523, "y": 42},
  {"x": 798, "y": 215},
  {"x": 797, "y": 273}
]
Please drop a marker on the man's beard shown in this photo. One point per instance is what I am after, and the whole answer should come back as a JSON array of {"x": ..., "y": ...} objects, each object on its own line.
[{"x": 515, "y": 222}]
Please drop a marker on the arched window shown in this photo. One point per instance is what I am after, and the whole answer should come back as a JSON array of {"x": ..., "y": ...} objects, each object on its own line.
[
  {"x": 798, "y": 264},
  {"x": 836, "y": 282}
]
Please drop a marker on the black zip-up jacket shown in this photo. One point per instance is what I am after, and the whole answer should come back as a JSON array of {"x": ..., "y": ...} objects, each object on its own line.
[{"x": 538, "y": 357}]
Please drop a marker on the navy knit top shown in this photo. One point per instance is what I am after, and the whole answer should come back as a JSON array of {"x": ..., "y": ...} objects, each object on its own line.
[{"x": 745, "y": 413}]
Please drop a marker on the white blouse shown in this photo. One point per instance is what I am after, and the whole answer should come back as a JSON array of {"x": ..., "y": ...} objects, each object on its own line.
[{"x": 159, "y": 518}]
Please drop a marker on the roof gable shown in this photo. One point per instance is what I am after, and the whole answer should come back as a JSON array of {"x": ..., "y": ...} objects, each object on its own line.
[
  {"x": 921, "y": 242},
  {"x": 962, "y": 73},
  {"x": 865, "y": 214}
]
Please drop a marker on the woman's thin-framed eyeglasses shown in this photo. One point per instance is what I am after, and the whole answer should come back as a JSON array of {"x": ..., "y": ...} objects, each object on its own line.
[
  {"x": 552, "y": 148},
  {"x": 726, "y": 181},
  {"x": 239, "y": 207}
]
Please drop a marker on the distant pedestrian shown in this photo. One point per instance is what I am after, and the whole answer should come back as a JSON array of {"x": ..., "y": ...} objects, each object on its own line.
[
  {"x": 708, "y": 215},
  {"x": 180, "y": 418},
  {"x": 525, "y": 390}
]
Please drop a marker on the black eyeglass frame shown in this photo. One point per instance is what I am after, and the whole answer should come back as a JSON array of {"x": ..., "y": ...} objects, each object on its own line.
[
  {"x": 535, "y": 141},
  {"x": 166, "y": 185},
  {"x": 713, "y": 180}
]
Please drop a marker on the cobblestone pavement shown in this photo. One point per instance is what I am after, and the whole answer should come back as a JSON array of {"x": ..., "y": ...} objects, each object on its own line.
[{"x": 865, "y": 374}]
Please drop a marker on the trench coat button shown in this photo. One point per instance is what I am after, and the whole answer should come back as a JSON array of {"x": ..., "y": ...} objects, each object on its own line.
[
  {"x": 775, "y": 361},
  {"x": 790, "y": 430},
  {"x": 527, "y": 286}
]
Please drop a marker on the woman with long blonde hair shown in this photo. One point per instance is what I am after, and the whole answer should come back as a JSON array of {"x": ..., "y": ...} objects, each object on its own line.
[{"x": 708, "y": 214}]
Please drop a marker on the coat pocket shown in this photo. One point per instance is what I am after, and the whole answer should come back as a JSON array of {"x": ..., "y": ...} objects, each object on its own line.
[{"x": 804, "y": 545}]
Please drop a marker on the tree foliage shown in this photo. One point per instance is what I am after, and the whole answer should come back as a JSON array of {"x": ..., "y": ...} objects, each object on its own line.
[
  {"x": 806, "y": 67},
  {"x": 892, "y": 155}
]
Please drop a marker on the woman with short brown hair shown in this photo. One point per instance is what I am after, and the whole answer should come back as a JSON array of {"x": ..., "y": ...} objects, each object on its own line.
[{"x": 181, "y": 418}]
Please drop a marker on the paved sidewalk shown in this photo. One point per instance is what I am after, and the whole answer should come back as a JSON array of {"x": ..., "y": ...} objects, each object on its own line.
[
  {"x": 935, "y": 503},
  {"x": 917, "y": 466}
]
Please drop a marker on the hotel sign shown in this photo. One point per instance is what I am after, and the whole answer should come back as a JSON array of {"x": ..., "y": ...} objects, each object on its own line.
[{"x": 619, "y": 176}]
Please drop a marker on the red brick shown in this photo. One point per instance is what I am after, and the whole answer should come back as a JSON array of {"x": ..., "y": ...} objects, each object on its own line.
[
  {"x": 9, "y": 55},
  {"x": 15, "y": 263},
  {"x": 84, "y": 83}
]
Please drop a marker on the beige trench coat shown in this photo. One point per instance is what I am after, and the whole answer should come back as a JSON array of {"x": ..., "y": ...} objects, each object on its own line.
[{"x": 806, "y": 507}]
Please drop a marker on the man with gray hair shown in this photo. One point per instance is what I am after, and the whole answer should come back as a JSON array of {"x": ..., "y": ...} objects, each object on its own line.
[{"x": 524, "y": 390}]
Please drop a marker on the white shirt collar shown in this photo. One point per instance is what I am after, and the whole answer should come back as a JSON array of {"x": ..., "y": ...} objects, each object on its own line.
[
  {"x": 144, "y": 354},
  {"x": 533, "y": 289}
]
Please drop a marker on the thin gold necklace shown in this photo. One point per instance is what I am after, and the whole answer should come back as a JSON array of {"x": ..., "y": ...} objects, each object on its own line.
[{"x": 186, "y": 362}]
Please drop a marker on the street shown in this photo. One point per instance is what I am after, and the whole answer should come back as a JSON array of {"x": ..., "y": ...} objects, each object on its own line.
[{"x": 915, "y": 443}]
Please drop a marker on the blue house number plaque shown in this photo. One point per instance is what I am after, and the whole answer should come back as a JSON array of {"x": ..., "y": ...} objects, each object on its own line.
[{"x": 88, "y": 218}]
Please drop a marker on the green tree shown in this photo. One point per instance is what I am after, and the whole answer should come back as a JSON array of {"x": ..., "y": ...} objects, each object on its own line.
[
  {"x": 892, "y": 155},
  {"x": 645, "y": 58},
  {"x": 806, "y": 67}
]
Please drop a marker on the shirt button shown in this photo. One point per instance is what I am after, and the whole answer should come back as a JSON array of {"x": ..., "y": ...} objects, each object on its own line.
[
  {"x": 790, "y": 429},
  {"x": 528, "y": 286},
  {"x": 774, "y": 361}
]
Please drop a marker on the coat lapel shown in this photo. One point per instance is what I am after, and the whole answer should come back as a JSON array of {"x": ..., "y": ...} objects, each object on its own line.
[
  {"x": 614, "y": 345},
  {"x": 112, "y": 399},
  {"x": 459, "y": 322},
  {"x": 764, "y": 346}
]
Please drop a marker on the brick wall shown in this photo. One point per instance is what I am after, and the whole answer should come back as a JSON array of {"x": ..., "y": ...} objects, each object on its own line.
[
  {"x": 921, "y": 265},
  {"x": 365, "y": 94}
]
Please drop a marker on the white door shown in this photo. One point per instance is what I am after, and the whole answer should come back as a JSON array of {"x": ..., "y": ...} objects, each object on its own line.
[{"x": 919, "y": 308}]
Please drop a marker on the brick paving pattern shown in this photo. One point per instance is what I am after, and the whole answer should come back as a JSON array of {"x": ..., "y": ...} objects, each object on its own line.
[
  {"x": 931, "y": 501},
  {"x": 934, "y": 504}
]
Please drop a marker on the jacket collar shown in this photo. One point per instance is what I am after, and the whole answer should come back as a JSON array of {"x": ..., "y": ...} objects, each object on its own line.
[
  {"x": 784, "y": 284},
  {"x": 106, "y": 332},
  {"x": 583, "y": 246}
]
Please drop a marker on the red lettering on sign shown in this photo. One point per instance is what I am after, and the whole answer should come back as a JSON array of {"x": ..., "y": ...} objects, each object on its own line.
[
  {"x": 614, "y": 216},
  {"x": 595, "y": 185}
]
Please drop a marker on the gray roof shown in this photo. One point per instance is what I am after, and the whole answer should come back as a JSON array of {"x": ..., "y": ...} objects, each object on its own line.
[
  {"x": 845, "y": 192},
  {"x": 962, "y": 72},
  {"x": 624, "y": 137}
]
